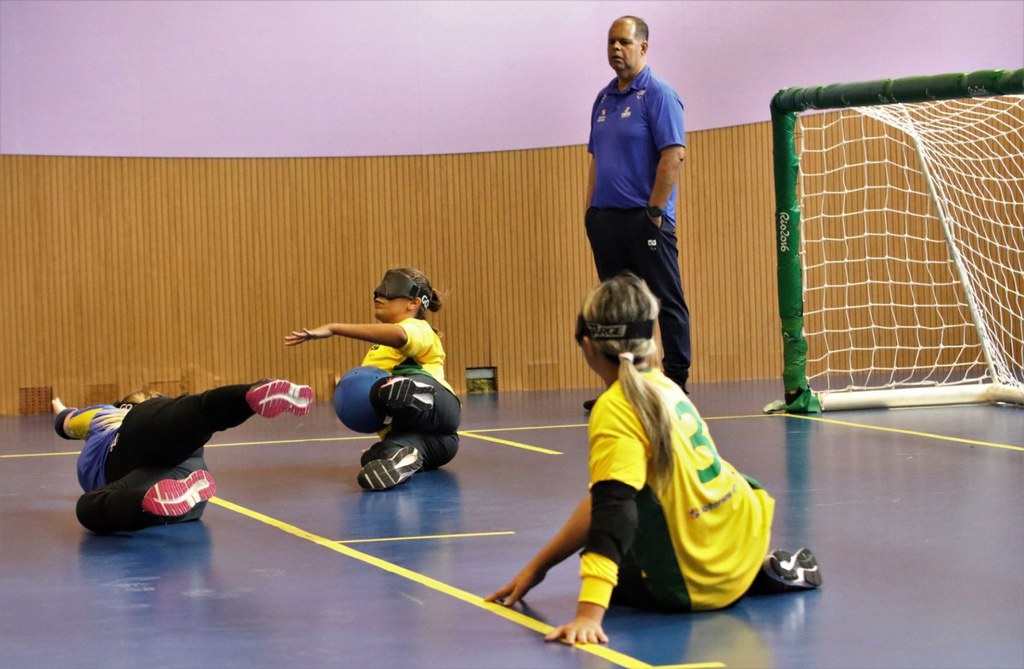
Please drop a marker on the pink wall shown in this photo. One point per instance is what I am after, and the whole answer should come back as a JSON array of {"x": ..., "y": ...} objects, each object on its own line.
[{"x": 297, "y": 78}]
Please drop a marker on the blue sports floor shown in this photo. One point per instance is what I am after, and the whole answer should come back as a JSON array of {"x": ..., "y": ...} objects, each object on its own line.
[{"x": 915, "y": 517}]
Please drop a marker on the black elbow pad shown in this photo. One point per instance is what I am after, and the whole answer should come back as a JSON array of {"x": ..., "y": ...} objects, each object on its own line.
[{"x": 613, "y": 519}]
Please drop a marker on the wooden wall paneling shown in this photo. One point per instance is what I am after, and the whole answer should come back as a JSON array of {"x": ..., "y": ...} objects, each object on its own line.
[
  {"x": 754, "y": 242},
  {"x": 566, "y": 213},
  {"x": 20, "y": 251},
  {"x": 719, "y": 289},
  {"x": 208, "y": 290},
  {"x": 37, "y": 282},
  {"x": 245, "y": 319},
  {"x": 762, "y": 268},
  {"x": 490, "y": 279},
  {"x": 506, "y": 295},
  {"x": 746, "y": 233},
  {"x": 463, "y": 234},
  {"x": 697, "y": 214},
  {"x": 488, "y": 308},
  {"x": 732, "y": 248},
  {"x": 529, "y": 268},
  {"x": 164, "y": 270},
  {"x": 727, "y": 253},
  {"x": 202, "y": 222},
  {"x": 11, "y": 195},
  {"x": 494, "y": 280},
  {"x": 71, "y": 262}
]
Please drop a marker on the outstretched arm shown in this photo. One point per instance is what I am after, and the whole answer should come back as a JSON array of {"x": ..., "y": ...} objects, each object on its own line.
[
  {"x": 569, "y": 540},
  {"x": 386, "y": 334}
]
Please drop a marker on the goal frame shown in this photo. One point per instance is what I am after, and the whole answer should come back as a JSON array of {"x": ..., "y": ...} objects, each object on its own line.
[{"x": 786, "y": 106}]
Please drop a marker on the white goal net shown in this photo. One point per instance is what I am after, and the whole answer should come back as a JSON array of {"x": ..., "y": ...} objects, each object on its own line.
[{"x": 912, "y": 252}]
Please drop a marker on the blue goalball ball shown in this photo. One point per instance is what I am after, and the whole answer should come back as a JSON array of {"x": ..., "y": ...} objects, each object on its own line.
[{"x": 352, "y": 399}]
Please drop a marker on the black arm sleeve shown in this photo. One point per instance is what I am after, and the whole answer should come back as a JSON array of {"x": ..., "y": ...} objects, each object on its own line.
[{"x": 613, "y": 519}]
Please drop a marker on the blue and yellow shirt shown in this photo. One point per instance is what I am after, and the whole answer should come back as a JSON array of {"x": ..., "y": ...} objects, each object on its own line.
[{"x": 98, "y": 426}]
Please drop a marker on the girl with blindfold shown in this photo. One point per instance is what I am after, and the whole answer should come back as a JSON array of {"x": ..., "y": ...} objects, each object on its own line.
[
  {"x": 420, "y": 412},
  {"x": 668, "y": 524}
]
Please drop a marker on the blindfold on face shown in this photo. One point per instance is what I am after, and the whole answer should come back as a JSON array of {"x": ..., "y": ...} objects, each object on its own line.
[{"x": 395, "y": 284}]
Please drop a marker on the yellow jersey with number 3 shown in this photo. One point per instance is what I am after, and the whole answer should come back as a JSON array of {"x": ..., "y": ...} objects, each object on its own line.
[{"x": 701, "y": 540}]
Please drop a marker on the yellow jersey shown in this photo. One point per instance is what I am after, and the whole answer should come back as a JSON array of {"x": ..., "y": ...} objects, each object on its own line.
[
  {"x": 422, "y": 353},
  {"x": 701, "y": 541}
]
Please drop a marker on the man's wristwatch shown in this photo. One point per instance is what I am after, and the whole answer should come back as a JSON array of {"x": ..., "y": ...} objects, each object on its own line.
[{"x": 654, "y": 212}]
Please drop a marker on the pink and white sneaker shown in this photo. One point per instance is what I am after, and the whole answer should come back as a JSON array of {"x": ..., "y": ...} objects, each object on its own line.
[
  {"x": 176, "y": 497},
  {"x": 272, "y": 398}
]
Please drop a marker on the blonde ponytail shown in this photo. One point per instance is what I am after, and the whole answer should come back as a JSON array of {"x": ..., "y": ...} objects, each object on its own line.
[{"x": 627, "y": 299}]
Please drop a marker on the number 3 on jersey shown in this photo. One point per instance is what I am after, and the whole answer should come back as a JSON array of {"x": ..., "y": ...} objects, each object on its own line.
[{"x": 694, "y": 428}]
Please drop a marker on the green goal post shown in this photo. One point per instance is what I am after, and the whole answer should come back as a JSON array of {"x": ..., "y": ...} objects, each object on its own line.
[{"x": 785, "y": 107}]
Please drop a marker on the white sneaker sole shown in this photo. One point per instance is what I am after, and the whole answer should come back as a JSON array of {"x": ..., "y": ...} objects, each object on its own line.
[{"x": 387, "y": 473}]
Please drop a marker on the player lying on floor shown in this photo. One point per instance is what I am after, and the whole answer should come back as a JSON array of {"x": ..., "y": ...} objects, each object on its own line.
[{"x": 142, "y": 463}]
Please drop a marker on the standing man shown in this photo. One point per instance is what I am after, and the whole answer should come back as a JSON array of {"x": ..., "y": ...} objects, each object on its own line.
[{"x": 637, "y": 147}]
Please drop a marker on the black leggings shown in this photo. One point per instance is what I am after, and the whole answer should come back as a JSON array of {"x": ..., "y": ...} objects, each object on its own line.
[
  {"x": 433, "y": 433},
  {"x": 632, "y": 590},
  {"x": 161, "y": 438}
]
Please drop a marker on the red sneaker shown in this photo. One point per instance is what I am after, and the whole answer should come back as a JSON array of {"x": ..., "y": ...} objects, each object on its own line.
[
  {"x": 176, "y": 497},
  {"x": 273, "y": 398}
]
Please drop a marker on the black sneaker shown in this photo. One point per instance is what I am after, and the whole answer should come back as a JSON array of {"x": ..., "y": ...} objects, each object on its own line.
[
  {"x": 589, "y": 404},
  {"x": 400, "y": 392},
  {"x": 796, "y": 570},
  {"x": 386, "y": 473}
]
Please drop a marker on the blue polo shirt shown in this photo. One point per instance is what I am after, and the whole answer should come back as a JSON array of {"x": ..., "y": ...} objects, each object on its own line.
[{"x": 628, "y": 131}]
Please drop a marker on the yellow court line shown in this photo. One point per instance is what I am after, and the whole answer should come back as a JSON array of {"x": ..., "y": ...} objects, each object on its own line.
[
  {"x": 515, "y": 444},
  {"x": 291, "y": 441},
  {"x": 527, "y": 427},
  {"x": 538, "y": 449},
  {"x": 426, "y": 536},
  {"x": 577, "y": 425},
  {"x": 509, "y": 614},
  {"x": 744, "y": 416},
  {"x": 929, "y": 435},
  {"x": 236, "y": 443},
  {"x": 476, "y": 434},
  {"x": 37, "y": 455}
]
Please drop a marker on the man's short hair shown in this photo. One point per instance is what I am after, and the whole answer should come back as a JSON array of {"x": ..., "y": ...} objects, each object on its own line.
[{"x": 639, "y": 27}]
